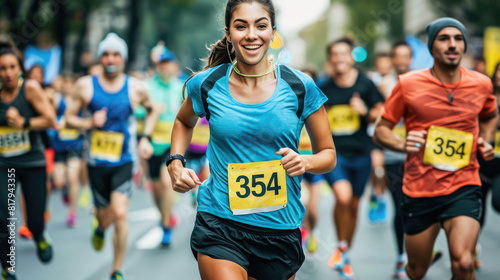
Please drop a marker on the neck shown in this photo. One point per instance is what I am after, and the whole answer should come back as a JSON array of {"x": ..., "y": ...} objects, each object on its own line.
[
  {"x": 448, "y": 75},
  {"x": 110, "y": 78},
  {"x": 262, "y": 66},
  {"x": 344, "y": 79}
]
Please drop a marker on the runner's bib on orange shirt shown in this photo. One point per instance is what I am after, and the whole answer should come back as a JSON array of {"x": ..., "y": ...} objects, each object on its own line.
[
  {"x": 343, "y": 120},
  {"x": 497, "y": 144},
  {"x": 257, "y": 187},
  {"x": 14, "y": 141},
  {"x": 106, "y": 145},
  {"x": 448, "y": 149},
  {"x": 162, "y": 132}
]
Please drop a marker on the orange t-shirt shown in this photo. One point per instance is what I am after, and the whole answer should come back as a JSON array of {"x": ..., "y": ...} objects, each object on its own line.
[{"x": 422, "y": 101}]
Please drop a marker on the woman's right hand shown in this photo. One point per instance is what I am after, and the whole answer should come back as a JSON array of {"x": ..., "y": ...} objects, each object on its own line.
[{"x": 183, "y": 179}]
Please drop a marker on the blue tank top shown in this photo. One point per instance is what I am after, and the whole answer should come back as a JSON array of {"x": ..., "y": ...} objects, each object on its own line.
[
  {"x": 115, "y": 143},
  {"x": 65, "y": 140}
]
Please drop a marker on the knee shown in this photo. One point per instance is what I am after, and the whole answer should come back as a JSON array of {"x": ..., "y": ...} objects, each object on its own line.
[
  {"x": 462, "y": 264},
  {"x": 415, "y": 271},
  {"x": 120, "y": 213}
]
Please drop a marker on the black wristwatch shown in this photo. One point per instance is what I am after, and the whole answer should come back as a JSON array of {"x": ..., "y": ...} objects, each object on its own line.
[{"x": 176, "y": 156}]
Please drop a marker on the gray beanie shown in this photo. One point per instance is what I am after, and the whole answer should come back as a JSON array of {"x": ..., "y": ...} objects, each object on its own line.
[
  {"x": 434, "y": 27},
  {"x": 113, "y": 42}
]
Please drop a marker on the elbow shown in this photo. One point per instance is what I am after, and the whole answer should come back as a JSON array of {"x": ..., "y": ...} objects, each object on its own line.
[
  {"x": 333, "y": 162},
  {"x": 51, "y": 121}
]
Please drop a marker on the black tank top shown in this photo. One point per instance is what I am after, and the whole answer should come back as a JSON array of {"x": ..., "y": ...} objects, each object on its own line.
[{"x": 20, "y": 147}]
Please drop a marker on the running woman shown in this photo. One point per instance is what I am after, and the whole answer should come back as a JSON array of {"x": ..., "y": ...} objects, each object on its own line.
[
  {"x": 353, "y": 102},
  {"x": 449, "y": 114},
  {"x": 24, "y": 111},
  {"x": 249, "y": 212},
  {"x": 111, "y": 98},
  {"x": 166, "y": 91}
]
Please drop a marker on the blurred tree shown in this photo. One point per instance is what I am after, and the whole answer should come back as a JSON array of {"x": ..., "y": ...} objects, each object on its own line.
[{"x": 478, "y": 13}]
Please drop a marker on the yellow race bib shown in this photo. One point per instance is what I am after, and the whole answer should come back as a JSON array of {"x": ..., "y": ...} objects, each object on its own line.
[
  {"x": 343, "y": 120},
  {"x": 106, "y": 145},
  {"x": 66, "y": 134},
  {"x": 14, "y": 141},
  {"x": 162, "y": 133},
  {"x": 448, "y": 149},
  {"x": 201, "y": 135},
  {"x": 497, "y": 144},
  {"x": 256, "y": 187},
  {"x": 305, "y": 141},
  {"x": 400, "y": 130}
]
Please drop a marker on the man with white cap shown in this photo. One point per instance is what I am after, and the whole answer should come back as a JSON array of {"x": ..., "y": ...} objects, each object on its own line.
[
  {"x": 450, "y": 114},
  {"x": 112, "y": 141}
]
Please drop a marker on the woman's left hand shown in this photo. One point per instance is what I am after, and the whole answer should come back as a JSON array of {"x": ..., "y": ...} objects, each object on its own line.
[{"x": 292, "y": 162}]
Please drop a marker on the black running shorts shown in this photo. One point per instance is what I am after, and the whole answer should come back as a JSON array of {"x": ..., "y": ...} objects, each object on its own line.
[
  {"x": 421, "y": 213},
  {"x": 266, "y": 254},
  {"x": 105, "y": 180}
]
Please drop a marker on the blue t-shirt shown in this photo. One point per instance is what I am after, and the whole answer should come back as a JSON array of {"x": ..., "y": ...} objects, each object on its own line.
[{"x": 242, "y": 133}]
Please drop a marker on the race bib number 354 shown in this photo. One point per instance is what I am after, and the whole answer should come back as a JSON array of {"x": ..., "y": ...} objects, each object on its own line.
[
  {"x": 448, "y": 149},
  {"x": 256, "y": 187}
]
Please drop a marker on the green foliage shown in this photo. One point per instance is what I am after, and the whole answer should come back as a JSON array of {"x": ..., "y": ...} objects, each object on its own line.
[{"x": 478, "y": 13}]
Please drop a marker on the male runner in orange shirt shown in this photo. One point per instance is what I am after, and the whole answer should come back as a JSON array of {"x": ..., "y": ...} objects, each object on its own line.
[{"x": 449, "y": 114}]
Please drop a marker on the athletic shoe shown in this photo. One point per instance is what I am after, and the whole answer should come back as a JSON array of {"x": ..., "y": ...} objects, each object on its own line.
[
  {"x": 97, "y": 236},
  {"x": 436, "y": 256},
  {"x": 85, "y": 198},
  {"x": 71, "y": 220},
  {"x": 167, "y": 237},
  {"x": 399, "y": 271},
  {"x": 25, "y": 233},
  {"x": 44, "y": 249},
  {"x": 305, "y": 234},
  {"x": 117, "y": 275},
  {"x": 372, "y": 212},
  {"x": 8, "y": 276},
  {"x": 346, "y": 272},
  {"x": 173, "y": 221},
  {"x": 337, "y": 260},
  {"x": 311, "y": 243}
]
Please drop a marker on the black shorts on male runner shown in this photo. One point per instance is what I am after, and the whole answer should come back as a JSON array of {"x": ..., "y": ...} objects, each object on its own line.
[
  {"x": 155, "y": 163},
  {"x": 266, "y": 254},
  {"x": 65, "y": 156},
  {"x": 421, "y": 213},
  {"x": 105, "y": 180}
]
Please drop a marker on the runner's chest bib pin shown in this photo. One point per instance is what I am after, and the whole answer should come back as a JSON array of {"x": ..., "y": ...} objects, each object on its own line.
[
  {"x": 448, "y": 149},
  {"x": 14, "y": 141},
  {"x": 106, "y": 145},
  {"x": 257, "y": 187},
  {"x": 343, "y": 120}
]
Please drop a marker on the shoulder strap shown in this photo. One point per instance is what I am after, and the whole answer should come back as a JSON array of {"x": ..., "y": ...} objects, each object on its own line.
[
  {"x": 296, "y": 85},
  {"x": 209, "y": 83}
]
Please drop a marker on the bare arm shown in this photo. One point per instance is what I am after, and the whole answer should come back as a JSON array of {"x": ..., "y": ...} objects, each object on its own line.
[
  {"x": 385, "y": 137},
  {"x": 488, "y": 125},
  {"x": 324, "y": 158},
  {"x": 77, "y": 102},
  {"x": 183, "y": 179},
  {"x": 374, "y": 112},
  {"x": 151, "y": 110},
  {"x": 40, "y": 102}
]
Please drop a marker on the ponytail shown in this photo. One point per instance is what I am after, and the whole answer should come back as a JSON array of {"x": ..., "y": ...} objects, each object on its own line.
[{"x": 220, "y": 53}]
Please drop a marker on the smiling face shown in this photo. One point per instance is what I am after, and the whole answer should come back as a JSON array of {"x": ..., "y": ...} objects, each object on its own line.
[
  {"x": 448, "y": 47},
  {"x": 9, "y": 70},
  {"x": 250, "y": 32},
  {"x": 341, "y": 58}
]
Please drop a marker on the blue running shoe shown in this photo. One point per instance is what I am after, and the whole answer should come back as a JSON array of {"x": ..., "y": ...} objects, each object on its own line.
[{"x": 167, "y": 237}]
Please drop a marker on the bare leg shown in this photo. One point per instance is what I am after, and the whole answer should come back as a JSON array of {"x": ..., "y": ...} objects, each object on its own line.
[{"x": 419, "y": 249}]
